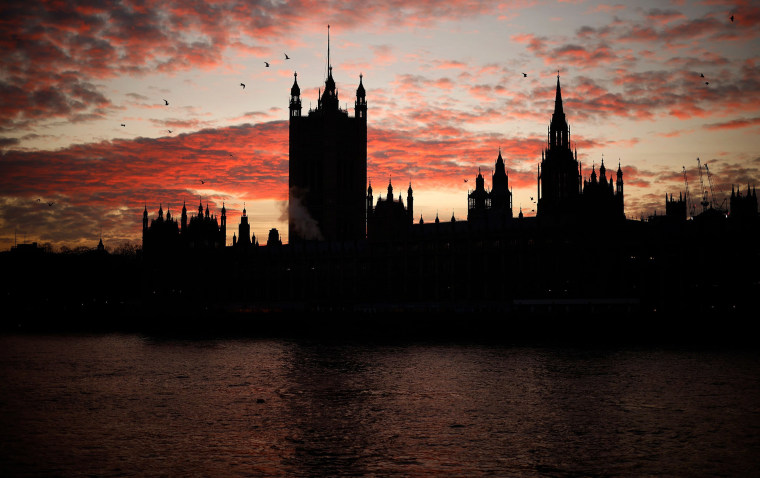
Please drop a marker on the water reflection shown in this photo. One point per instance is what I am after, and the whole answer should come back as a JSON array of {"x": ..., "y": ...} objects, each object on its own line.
[{"x": 115, "y": 405}]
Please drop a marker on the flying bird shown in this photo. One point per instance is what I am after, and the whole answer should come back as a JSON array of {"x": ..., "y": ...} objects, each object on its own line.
[
  {"x": 243, "y": 85},
  {"x": 525, "y": 75},
  {"x": 707, "y": 82},
  {"x": 701, "y": 75},
  {"x": 123, "y": 124},
  {"x": 203, "y": 182},
  {"x": 167, "y": 103},
  {"x": 732, "y": 18},
  {"x": 51, "y": 203},
  {"x": 266, "y": 63},
  {"x": 465, "y": 180},
  {"x": 170, "y": 131},
  {"x": 531, "y": 198},
  {"x": 287, "y": 57}
]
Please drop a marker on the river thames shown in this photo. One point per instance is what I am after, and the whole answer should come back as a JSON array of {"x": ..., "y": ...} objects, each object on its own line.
[{"x": 136, "y": 405}]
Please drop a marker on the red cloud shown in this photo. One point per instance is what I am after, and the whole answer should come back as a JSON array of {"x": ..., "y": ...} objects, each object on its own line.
[{"x": 735, "y": 124}]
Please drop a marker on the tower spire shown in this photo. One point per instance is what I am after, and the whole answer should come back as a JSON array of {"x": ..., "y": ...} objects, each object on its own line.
[
  {"x": 329, "y": 66},
  {"x": 558, "y": 98}
]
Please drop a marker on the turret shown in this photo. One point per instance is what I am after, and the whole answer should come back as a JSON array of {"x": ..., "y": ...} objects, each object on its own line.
[
  {"x": 244, "y": 231},
  {"x": 390, "y": 190},
  {"x": 619, "y": 184},
  {"x": 501, "y": 198},
  {"x": 360, "y": 107},
  {"x": 183, "y": 218},
  {"x": 295, "y": 98},
  {"x": 410, "y": 203},
  {"x": 223, "y": 226},
  {"x": 145, "y": 222},
  {"x": 369, "y": 199}
]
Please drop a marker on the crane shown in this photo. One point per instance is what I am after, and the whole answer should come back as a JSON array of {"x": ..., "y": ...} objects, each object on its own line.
[
  {"x": 712, "y": 191},
  {"x": 704, "y": 202},
  {"x": 688, "y": 196}
]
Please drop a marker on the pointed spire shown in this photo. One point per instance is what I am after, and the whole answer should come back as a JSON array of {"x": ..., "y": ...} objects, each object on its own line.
[
  {"x": 558, "y": 98},
  {"x": 329, "y": 66},
  {"x": 295, "y": 90},
  {"x": 360, "y": 93}
]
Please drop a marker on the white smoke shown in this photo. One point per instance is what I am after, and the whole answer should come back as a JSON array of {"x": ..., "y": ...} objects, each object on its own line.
[{"x": 297, "y": 215}]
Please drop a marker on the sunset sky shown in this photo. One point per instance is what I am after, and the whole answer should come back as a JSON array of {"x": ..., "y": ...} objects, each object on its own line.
[{"x": 445, "y": 90}]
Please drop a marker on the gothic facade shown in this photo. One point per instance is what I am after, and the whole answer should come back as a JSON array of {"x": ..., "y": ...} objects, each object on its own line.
[
  {"x": 202, "y": 231},
  {"x": 495, "y": 205},
  {"x": 743, "y": 206},
  {"x": 327, "y": 166},
  {"x": 563, "y": 194},
  {"x": 389, "y": 219}
]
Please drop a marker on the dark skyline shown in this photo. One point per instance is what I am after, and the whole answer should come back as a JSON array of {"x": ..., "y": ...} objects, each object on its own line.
[{"x": 446, "y": 89}]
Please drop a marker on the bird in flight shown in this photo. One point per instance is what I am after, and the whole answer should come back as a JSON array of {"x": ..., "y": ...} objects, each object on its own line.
[
  {"x": 707, "y": 82},
  {"x": 123, "y": 124},
  {"x": 243, "y": 85},
  {"x": 203, "y": 182},
  {"x": 525, "y": 75},
  {"x": 701, "y": 75},
  {"x": 287, "y": 57},
  {"x": 170, "y": 131},
  {"x": 167, "y": 103},
  {"x": 465, "y": 180},
  {"x": 732, "y": 18},
  {"x": 51, "y": 203},
  {"x": 266, "y": 63},
  {"x": 531, "y": 198}
]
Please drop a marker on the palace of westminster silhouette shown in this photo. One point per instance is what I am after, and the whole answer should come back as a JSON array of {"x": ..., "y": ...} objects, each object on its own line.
[
  {"x": 328, "y": 174},
  {"x": 345, "y": 246}
]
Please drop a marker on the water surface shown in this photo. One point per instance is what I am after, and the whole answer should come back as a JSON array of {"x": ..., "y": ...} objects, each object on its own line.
[{"x": 115, "y": 405}]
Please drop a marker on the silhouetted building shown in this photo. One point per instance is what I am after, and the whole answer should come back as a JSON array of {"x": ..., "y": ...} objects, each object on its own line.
[
  {"x": 327, "y": 166},
  {"x": 203, "y": 231},
  {"x": 244, "y": 238},
  {"x": 675, "y": 209},
  {"x": 743, "y": 206},
  {"x": 562, "y": 194},
  {"x": 389, "y": 219},
  {"x": 273, "y": 240},
  {"x": 494, "y": 206}
]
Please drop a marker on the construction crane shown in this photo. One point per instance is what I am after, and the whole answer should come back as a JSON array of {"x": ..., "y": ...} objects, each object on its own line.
[
  {"x": 704, "y": 202},
  {"x": 712, "y": 191},
  {"x": 689, "y": 206}
]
